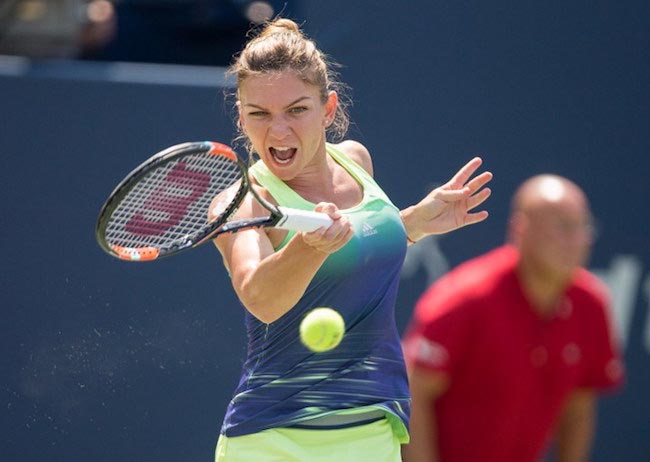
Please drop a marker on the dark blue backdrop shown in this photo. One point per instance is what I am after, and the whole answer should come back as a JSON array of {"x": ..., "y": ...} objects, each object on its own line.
[{"x": 106, "y": 360}]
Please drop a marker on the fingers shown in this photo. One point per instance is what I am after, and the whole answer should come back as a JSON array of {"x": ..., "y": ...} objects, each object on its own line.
[
  {"x": 331, "y": 239},
  {"x": 481, "y": 180},
  {"x": 474, "y": 185},
  {"x": 478, "y": 198},
  {"x": 327, "y": 207},
  {"x": 472, "y": 218},
  {"x": 451, "y": 195},
  {"x": 464, "y": 174},
  {"x": 335, "y": 236}
]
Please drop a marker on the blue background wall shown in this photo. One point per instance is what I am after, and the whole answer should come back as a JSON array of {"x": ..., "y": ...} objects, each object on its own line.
[{"x": 106, "y": 360}]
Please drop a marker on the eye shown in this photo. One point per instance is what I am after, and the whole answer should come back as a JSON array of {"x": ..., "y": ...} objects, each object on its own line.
[
  {"x": 298, "y": 109},
  {"x": 257, "y": 114}
]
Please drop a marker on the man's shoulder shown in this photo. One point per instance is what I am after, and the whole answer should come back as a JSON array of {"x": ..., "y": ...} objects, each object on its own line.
[
  {"x": 483, "y": 272},
  {"x": 472, "y": 283},
  {"x": 587, "y": 287}
]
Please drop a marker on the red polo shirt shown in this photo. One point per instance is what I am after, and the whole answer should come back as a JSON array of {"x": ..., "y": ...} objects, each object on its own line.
[{"x": 510, "y": 369}]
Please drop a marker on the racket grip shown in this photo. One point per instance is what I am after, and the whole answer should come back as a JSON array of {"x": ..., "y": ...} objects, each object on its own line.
[{"x": 302, "y": 220}]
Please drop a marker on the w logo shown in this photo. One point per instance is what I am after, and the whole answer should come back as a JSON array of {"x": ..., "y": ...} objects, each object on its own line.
[{"x": 168, "y": 203}]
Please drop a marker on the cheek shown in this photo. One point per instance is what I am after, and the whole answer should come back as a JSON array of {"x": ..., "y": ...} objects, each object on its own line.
[
  {"x": 251, "y": 128},
  {"x": 579, "y": 251},
  {"x": 315, "y": 129},
  {"x": 312, "y": 121},
  {"x": 563, "y": 252},
  {"x": 543, "y": 246}
]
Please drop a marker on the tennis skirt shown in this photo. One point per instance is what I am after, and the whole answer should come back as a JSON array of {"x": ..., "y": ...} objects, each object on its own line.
[{"x": 375, "y": 441}]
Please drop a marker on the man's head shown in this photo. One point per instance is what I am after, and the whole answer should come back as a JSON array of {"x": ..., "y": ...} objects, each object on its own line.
[{"x": 551, "y": 225}]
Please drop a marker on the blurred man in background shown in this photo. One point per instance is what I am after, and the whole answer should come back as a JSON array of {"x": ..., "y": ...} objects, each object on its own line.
[{"x": 508, "y": 350}]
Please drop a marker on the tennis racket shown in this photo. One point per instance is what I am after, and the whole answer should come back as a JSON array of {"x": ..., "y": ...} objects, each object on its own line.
[{"x": 182, "y": 197}]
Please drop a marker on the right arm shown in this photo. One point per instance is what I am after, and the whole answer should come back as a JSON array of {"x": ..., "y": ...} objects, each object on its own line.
[
  {"x": 435, "y": 342},
  {"x": 270, "y": 283},
  {"x": 576, "y": 426},
  {"x": 426, "y": 386}
]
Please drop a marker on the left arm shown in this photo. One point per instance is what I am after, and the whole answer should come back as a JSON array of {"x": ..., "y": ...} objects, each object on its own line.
[
  {"x": 575, "y": 429},
  {"x": 447, "y": 207}
]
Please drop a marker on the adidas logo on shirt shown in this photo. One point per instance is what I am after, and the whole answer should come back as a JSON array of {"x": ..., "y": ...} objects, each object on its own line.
[{"x": 368, "y": 230}]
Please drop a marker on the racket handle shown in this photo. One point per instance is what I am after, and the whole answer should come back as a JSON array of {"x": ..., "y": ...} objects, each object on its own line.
[{"x": 302, "y": 220}]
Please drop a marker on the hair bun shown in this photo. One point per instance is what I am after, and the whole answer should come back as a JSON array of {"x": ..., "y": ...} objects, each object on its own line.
[{"x": 279, "y": 26}]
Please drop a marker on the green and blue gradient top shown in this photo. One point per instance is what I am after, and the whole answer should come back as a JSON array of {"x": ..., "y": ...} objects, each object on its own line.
[{"x": 285, "y": 384}]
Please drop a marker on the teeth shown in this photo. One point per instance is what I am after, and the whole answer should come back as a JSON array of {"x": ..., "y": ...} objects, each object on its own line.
[
  {"x": 280, "y": 161},
  {"x": 282, "y": 154}
]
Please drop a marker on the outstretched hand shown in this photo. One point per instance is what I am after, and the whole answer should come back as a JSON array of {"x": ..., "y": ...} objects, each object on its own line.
[{"x": 449, "y": 206}]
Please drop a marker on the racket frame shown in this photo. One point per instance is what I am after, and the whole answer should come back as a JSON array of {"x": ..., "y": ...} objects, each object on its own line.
[
  {"x": 155, "y": 162},
  {"x": 280, "y": 217}
]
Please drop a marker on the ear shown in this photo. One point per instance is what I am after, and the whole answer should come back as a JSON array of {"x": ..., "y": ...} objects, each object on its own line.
[
  {"x": 516, "y": 226},
  {"x": 330, "y": 107}
]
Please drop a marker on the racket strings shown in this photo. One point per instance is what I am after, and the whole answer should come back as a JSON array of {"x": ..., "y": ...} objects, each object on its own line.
[{"x": 169, "y": 205}]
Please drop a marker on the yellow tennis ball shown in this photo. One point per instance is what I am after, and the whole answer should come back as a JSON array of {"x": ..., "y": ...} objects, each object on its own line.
[{"x": 322, "y": 329}]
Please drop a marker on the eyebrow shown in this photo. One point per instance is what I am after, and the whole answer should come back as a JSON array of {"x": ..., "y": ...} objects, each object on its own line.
[{"x": 286, "y": 107}]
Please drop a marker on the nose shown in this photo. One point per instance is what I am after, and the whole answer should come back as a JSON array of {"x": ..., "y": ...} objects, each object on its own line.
[{"x": 279, "y": 128}]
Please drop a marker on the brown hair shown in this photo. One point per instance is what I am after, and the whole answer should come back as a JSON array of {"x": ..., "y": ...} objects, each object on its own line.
[{"x": 282, "y": 46}]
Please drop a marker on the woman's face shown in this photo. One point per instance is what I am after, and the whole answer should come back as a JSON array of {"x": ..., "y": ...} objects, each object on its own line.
[{"x": 285, "y": 119}]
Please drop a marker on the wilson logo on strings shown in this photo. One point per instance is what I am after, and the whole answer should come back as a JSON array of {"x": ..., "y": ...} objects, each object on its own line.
[{"x": 171, "y": 200}]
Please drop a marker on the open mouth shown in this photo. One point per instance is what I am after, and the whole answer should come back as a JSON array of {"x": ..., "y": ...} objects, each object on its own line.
[{"x": 282, "y": 155}]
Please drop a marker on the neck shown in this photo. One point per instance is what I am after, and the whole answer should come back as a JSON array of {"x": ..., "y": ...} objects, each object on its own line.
[
  {"x": 544, "y": 289},
  {"x": 315, "y": 181}
]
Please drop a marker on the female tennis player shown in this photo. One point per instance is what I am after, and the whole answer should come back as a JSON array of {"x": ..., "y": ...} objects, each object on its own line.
[{"x": 350, "y": 403}]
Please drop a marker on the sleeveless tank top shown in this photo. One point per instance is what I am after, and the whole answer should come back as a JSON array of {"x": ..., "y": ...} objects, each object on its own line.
[{"x": 283, "y": 383}]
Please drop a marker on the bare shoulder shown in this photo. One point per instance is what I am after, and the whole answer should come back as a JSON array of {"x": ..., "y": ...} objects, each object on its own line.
[{"x": 358, "y": 153}]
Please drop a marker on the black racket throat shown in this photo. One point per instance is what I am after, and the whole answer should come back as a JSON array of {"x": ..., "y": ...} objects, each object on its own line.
[{"x": 248, "y": 223}]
